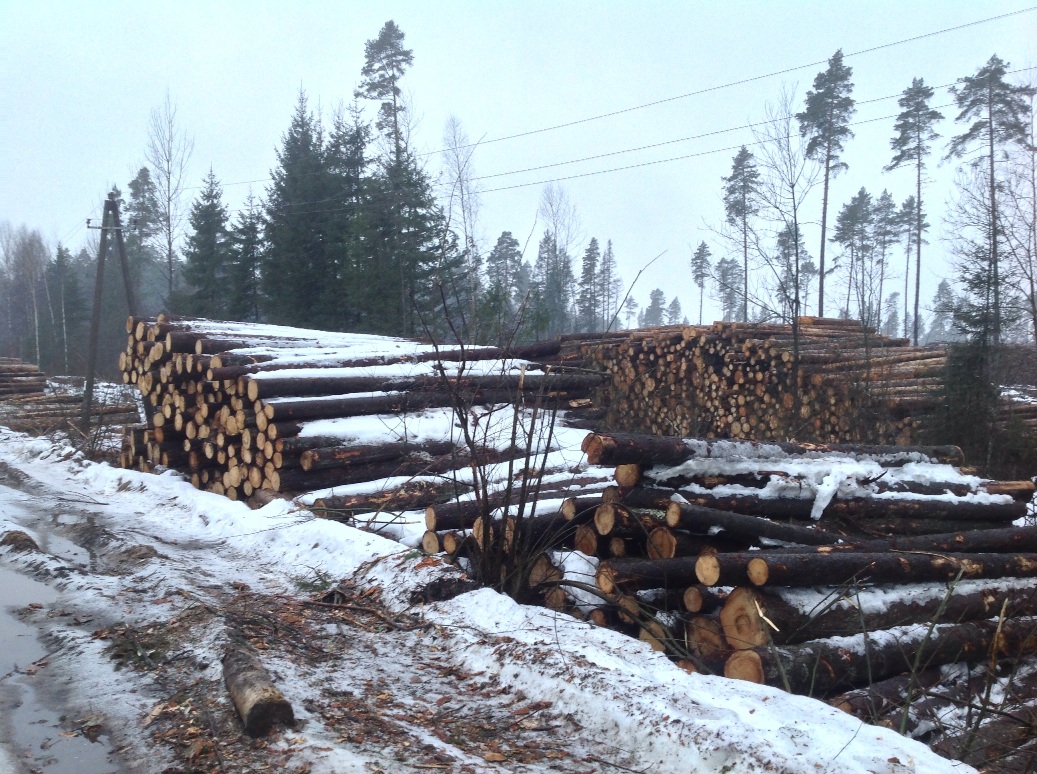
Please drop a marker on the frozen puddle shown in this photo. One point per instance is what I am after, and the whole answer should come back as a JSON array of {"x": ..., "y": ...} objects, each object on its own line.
[{"x": 33, "y": 737}]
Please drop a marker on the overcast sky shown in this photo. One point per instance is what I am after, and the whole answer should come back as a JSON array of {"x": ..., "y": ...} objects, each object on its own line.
[{"x": 80, "y": 79}]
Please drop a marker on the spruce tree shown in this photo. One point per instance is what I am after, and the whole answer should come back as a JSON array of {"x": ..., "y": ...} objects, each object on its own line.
[
  {"x": 727, "y": 288},
  {"x": 142, "y": 221},
  {"x": 246, "y": 256},
  {"x": 673, "y": 312},
  {"x": 207, "y": 256},
  {"x": 826, "y": 122},
  {"x": 911, "y": 145},
  {"x": 498, "y": 305},
  {"x": 654, "y": 313},
  {"x": 588, "y": 303},
  {"x": 700, "y": 268},
  {"x": 885, "y": 232},
  {"x": 299, "y": 280},
  {"x": 741, "y": 204},
  {"x": 997, "y": 111}
]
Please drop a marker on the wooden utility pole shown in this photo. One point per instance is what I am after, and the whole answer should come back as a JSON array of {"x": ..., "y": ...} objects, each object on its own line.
[{"x": 109, "y": 222}]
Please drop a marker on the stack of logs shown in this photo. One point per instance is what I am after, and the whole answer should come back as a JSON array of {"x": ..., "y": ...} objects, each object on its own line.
[
  {"x": 744, "y": 380},
  {"x": 19, "y": 378},
  {"x": 229, "y": 404},
  {"x": 730, "y": 573},
  {"x": 28, "y": 406}
]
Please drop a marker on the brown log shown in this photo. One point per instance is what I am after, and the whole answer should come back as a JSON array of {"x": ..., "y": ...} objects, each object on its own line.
[
  {"x": 341, "y": 456},
  {"x": 415, "y": 494},
  {"x": 999, "y": 541},
  {"x": 624, "y": 448},
  {"x": 822, "y": 667},
  {"x": 255, "y": 388},
  {"x": 258, "y": 701},
  {"x": 861, "y": 508},
  {"x": 810, "y": 569},
  {"x": 840, "y": 617},
  {"x": 699, "y": 518}
]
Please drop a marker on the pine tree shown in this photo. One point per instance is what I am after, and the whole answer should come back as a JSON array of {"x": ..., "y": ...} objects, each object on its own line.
[
  {"x": 700, "y": 268},
  {"x": 885, "y": 232},
  {"x": 245, "y": 243},
  {"x": 997, "y": 110},
  {"x": 794, "y": 272},
  {"x": 914, "y": 127},
  {"x": 207, "y": 255},
  {"x": 853, "y": 231},
  {"x": 654, "y": 313},
  {"x": 741, "y": 204},
  {"x": 588, "y": 302},
  {"x": 610, "y": 285},
  {"x": 826, "y": 121},
  {"x": 891, "y": 320},
  {"x": 385, "y": 63},
  {"x": 630, "y": 307}
]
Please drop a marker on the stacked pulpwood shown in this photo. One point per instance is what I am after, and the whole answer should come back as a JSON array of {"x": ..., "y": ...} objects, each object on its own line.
[
  {"x": 232, "y": 404},
  {"x": 746, "y": 558},
  {"x": 825, "y": 380},
  {"x": 19, "y": 378}
]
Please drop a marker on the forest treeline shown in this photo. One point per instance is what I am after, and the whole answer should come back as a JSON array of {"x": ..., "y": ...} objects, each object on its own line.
[{"x": 354, "y": 233}]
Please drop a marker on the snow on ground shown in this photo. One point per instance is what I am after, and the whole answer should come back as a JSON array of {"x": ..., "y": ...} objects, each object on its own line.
[{"x": 625, "y": 705}]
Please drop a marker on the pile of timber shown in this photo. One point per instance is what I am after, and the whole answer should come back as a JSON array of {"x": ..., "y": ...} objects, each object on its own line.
[
  {"x": 49, "y": 412},
  {"x": 27, "y": 405},
  {"x": 19, "y": 378},
  {"x": 234, "y": 405},
  {"x": 816, "y": 568},
  {"x": 824, "y": 380},
  {"x": 760, "y": 579}
]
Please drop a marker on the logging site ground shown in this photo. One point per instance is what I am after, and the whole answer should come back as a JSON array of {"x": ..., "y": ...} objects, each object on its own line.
[
  {"x": 137, "y": 576},
  {"x": 265, "y": 558}
]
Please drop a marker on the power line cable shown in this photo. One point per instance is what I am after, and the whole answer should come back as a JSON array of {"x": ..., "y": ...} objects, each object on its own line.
[{"x": 741, "y": 82}]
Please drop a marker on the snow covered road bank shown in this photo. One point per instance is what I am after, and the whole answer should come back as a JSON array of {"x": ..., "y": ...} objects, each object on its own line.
[{"x": 378, "y": 683}]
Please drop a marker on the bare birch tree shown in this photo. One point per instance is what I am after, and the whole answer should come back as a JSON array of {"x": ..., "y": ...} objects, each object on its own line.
[{"x": 168, "y": 155}]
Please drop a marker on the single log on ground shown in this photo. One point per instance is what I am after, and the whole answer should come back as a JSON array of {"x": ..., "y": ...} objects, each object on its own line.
[
  {"x": 258, "y": 701},
  {"x": 822, "y": 667},
  {"x": 810, "y": 569},
  {"x": 648, "y": 450}
]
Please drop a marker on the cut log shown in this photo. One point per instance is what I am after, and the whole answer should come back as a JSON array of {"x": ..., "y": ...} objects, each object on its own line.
[
  {"x": 811, "y": 569},
  {"x": 258, "y": 701},
  {"x": 822, "y": 667},
  {"x": 697, "y": 518},
  {"x": 624, "y": 448},
  {"x": 837, "y": 616}
]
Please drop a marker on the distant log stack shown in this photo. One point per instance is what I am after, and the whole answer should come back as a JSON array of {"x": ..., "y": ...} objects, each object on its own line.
[
  {"x": 234, "y": 405},
  {"x": 28, "y": 406},
  {"x": 19, "y": 378},
  {"x": 826, "y": 381}
]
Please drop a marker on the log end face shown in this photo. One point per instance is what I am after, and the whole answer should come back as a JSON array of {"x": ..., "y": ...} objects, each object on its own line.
[{"x": 745, "y": 665}]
